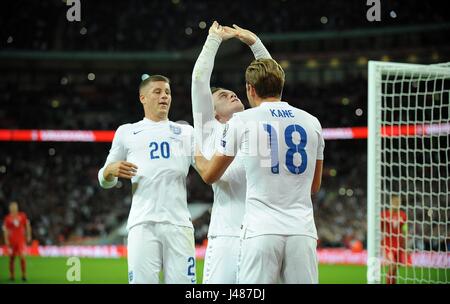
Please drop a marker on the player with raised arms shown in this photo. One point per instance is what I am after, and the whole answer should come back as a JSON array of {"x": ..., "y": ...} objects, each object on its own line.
[
  {"x": 282, "y": 153},
  {"x": 212, "y": 108}
]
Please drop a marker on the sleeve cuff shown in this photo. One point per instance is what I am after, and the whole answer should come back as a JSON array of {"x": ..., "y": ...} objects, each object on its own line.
[
  {"x": 257, "y": 45},
  {"x": 103, "y": 182},
  {"x": 215, "y": 38},
  {"x": 259, "y": 50}
]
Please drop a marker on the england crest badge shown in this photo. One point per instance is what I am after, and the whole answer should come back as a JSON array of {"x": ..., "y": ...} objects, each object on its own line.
[{"x": 175, "y": 129}]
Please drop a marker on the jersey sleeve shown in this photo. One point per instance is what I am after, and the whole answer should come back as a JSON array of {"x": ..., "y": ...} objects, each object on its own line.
[
  {"x": 232, "y": 137},
  {"x": 321, "y": 142},
  {"x": 192, "y": 146},
  {"x": 24, "y": 219},
  {"x": 116, "y": 153},
  {"x": 404, "y": 217},
  {"x": 259, "y": 50},
  {"x": 202, "y": 102}
]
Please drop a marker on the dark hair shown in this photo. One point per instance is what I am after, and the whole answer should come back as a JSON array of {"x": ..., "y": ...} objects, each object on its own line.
[
  {"x": 215, "y": 89},
  {"x": 152, "y": 78}
]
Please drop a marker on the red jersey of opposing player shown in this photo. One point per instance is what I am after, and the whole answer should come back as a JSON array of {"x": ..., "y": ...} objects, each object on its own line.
[
  {"x": 392, "y": 222},
  {"x": 394, "y": 243},
  {"x": 16, "y": 228}
]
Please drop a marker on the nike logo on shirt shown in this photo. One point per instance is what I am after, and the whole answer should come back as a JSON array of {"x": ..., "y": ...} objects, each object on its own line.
[{"x": 137, "y": 132}]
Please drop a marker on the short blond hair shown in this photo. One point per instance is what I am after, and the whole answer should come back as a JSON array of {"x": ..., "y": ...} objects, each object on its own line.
[
  {"x": 266, "y": 76},
  {"x": 144, "y": 83}
]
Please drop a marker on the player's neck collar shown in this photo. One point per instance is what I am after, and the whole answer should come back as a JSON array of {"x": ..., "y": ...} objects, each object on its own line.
[
  {"x": 148, "y": 120},
  {"x": 268, "y": 103}
]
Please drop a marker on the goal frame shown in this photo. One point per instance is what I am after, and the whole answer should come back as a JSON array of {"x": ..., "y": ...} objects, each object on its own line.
[{"x": 375, "y": 71}]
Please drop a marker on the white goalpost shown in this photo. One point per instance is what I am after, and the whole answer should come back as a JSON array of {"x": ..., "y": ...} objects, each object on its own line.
[{"x": 408, "y": 156}]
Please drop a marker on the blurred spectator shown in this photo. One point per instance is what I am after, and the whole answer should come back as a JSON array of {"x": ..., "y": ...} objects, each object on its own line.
[
  {"x": 177, "y": 25},
  {"x": 57, "y": 182}
]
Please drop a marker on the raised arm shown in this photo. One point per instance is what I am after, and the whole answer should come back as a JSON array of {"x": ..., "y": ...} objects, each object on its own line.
[
  {"x": 202, "y": 102},
  {"x": 255, "y": 44}
]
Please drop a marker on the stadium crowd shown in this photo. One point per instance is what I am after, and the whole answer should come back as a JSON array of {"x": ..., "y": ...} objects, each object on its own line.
[
  {"x": 56, "y": 183},
  {"x": 60, "y": 212},
  {"x": 180, "y": 24},
  {"x": 86, "y": 106}
]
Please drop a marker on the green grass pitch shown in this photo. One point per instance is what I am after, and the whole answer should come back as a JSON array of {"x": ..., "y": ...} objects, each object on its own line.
[{"x": 114, "y": 271}]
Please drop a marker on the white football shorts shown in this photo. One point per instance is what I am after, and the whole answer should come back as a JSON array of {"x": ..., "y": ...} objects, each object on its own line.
[
  {"x": 272, "y": 259},
  {"x": 153, "y": 247},
  {"x": 221, "y": 260}
]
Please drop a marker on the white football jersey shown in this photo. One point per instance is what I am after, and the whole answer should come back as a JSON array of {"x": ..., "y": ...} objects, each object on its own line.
[
  {"x": 163, "y": 152},
  {"x": 229, "y": 192},
  {"x": 279, "y": 145}
]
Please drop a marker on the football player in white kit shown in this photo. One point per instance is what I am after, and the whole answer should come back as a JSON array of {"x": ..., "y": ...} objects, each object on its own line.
[
  {"x": 282, "y": 151},
  {"x": 155, "y": 154},
  {"x": 211, "y": 110}
]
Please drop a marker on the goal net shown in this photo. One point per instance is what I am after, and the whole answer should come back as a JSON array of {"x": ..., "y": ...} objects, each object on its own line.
[{"x": 408, "y": 185}]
